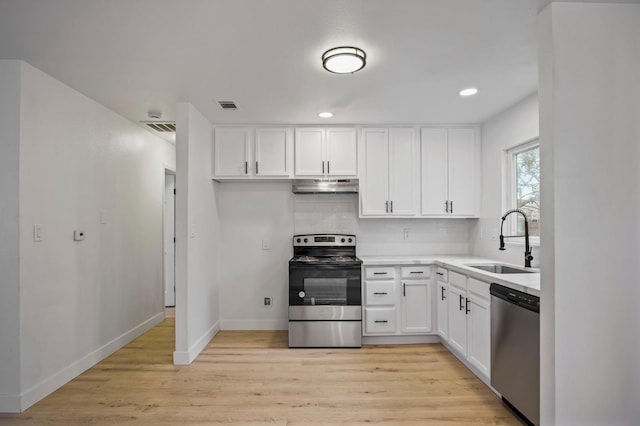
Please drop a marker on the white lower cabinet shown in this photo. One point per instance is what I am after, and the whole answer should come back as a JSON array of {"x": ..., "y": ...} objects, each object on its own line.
[
  {"x": 469, "y": 325},
  {"x": 442, "y": 291},
  {"x": 397, "y": 300}
]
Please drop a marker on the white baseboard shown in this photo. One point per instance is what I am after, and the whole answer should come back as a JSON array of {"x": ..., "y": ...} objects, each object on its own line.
[
  {"x": 53, "y": 382},
  {"x": 187, "y": 357},
  {"x": 399, "y": 340},
  {"x": 10, "y": 403},
  {"x": 254, "y": 324}
]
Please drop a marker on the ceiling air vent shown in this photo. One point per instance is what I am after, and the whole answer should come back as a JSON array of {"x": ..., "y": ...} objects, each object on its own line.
[
  {"x": 162, "y": 126},
  {"x": 228, "y": 105}
]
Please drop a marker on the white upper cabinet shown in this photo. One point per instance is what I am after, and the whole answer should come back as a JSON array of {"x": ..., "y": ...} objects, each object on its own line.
[
  {"x": 231, "y": 152},
  {"x": 272, "y": 152},
  {"x": 325, "y": 152},
  {"x": 389, "y": 178},
  {"x": 449, "y": 171},
  {"x": 244, "y": 152}
]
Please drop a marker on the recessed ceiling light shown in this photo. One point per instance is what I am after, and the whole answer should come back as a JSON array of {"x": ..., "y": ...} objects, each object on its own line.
[
  {"x": 325, "y": 114},
  {"x": 469, "y": 91},
  {"x": 344, "y": 60}
]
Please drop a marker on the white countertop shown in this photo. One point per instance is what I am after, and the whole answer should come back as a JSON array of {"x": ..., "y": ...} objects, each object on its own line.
[{"x": 527, "y": 283}]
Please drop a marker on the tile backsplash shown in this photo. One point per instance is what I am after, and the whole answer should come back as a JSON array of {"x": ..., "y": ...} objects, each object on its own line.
[{"x": 338, "y": 213}]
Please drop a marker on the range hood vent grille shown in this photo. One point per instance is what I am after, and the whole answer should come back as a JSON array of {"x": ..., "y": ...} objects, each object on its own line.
[
  {"x": 325, "y": 186},
  {"x": 228, "y": 105},
  {"x": 161, "y": 126}
]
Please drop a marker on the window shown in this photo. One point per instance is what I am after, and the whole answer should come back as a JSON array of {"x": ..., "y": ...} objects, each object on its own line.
[{"x": 524, "y": 187}]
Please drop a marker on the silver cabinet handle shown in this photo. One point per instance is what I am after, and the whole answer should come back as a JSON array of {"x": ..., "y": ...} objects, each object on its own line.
[{"x": 446, "y": 206}]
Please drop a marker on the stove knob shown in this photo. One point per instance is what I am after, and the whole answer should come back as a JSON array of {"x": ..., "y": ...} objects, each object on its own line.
[
  {"x": 301, "y": 295},
  {"x": 350, "y": 239},
  {"x": 306, "y": 240},
  {"x": 342, "y": 240},
  {"x": 298, "y": 240}
]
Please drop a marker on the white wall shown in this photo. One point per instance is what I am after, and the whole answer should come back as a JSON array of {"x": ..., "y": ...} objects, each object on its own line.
[
  {"x": 590, "y": 122},
  {"x": 254, "y": 211},
  {"x": 80, "y": 301},
  {"x": 9, "y": 236},
  {"x": 197, "y": 237},
  {"x": 510, "y": 128}
]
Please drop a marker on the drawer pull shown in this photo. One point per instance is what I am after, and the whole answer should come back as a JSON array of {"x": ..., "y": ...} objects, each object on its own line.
[
  {"x": 416, "y": 272},
  {"x": 440, "y": 273},
  {"x": 442, "y": 296},
  {"x": 379, "y": 273},
  {"x": 461, "y": 307},
  {"x": 380, "y": 321},
  {"x": 379, "y": 292},
  {"x": 467, "y": 310}
]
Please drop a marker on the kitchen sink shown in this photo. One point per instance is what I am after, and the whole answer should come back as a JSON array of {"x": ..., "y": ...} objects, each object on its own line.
[{"x": 498, "y": 268}]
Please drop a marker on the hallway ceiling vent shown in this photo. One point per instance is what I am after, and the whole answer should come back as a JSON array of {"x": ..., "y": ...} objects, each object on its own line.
[
  {"x": 161, "y": 126},
  {"x": 228, "y": 105}
]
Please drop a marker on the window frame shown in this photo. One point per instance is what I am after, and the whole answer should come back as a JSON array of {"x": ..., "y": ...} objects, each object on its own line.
[{"x": 511, "y": 191}]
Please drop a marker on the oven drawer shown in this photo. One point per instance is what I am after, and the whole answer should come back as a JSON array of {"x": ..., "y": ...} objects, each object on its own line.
[
  {"x": 380, "y": 293},
  {"x": 380, "y": 320},
  {"x": 418, "y": 272},
  {"x": 381, "y": 272}
]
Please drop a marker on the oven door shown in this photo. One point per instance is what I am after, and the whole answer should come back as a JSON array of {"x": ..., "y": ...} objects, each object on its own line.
[{"x": 322, "y": 285}]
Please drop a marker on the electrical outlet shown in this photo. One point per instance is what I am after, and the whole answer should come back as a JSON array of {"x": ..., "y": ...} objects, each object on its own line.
[
  {"x": 37, "y": 233},
  {"x": 268, "y": 302},
  {"x": 405, "y": 234}
]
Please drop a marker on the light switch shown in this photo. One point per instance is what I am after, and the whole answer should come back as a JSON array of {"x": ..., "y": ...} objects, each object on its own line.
[
  {"x": 37, "y": 233},
  {"x": 265, "y": 245}
]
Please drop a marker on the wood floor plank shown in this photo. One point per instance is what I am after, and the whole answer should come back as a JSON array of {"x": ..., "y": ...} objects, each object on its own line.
[{"x": 253, "y": 378}]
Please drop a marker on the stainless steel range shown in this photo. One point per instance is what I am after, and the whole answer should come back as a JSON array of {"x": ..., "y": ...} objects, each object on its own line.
[{"x": 325, "y": 307}]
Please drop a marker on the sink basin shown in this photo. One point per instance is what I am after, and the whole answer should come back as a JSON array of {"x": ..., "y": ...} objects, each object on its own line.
[{"x": 498, "y": 268}]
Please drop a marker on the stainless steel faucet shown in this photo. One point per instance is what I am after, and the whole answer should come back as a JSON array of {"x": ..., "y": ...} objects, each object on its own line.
[{"x": 527, "y": 249}]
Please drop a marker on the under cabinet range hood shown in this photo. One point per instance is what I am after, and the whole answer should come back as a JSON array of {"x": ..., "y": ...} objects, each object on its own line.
[{"x": 325, "y": 186}]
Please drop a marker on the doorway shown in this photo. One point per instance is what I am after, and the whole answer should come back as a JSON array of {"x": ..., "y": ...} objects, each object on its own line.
[{"x": 169, "y": 243}]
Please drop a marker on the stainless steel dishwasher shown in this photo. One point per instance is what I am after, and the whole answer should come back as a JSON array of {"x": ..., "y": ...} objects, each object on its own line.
[{"x": 515, "y": 350}]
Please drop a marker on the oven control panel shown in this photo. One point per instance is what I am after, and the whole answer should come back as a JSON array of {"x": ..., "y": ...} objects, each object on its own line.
[{"x": 316, "y": 240}]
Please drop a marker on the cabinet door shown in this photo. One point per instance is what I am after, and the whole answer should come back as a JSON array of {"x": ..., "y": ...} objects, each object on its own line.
[
  {"x": 457, "y": 320},
  {"x": 462, "y": 172},
  {"x": 309, "y": 152},
  {"x": 231, "y": 152},
  {"x": 402, "y": 172},
  {"x": 434, "y": 171},
  {"x": 416, "y": 306},
  {"x": 341, "y": 149},
  {"x": 271, "y": 152},
  {"x": 479, "y": 333},
  {"x": 441, "y": 306},
  {"x": 374, "y": 188}
]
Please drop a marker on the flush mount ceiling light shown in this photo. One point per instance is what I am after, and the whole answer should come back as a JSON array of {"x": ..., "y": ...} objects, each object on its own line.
[
  {"x": 344, "y": 60},
  {"x": 325, "y": 114},
  {"x": 470, "y": 91}
]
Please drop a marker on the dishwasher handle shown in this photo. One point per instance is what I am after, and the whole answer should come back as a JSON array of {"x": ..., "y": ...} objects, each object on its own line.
[{"x": 516, "y": 297}]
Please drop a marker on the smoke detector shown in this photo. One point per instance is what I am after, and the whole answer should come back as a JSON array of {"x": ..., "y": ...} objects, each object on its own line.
[{"x": 154, "y": 115}]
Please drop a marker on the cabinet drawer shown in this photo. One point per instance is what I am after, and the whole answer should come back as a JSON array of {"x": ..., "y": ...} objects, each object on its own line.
[
  {"x": 380, "y": 293},
  {"x": 380, "y": 320},
  {"x": 418, "y": 272},
  {"x": 442, "y": 275},
  {"x": 478, "y": 288},
  {"x": 458, "y": 280},
  {"x": 383, "y": 272}
]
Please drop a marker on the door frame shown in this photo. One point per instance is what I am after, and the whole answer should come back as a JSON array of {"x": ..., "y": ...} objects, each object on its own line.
[{"x": 167, "y": 171}]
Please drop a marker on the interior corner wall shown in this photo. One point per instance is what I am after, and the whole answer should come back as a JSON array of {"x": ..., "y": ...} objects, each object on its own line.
[
  {"x": 9, "y": 236},
  {"x": 516, "y": 125},
  {"x": 197, "y": 237},
  {"x": 83, "y": 167},
  {"x": 590, "y": 105}
]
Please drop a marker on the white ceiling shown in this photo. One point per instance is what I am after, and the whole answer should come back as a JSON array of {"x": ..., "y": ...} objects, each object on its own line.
[{"x": 137, "y": 55}]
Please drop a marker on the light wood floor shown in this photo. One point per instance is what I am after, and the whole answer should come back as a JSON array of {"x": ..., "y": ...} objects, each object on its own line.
[{"x": 251, "y": 378}]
